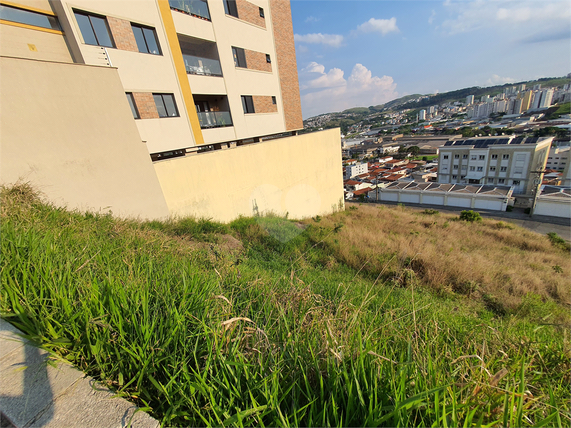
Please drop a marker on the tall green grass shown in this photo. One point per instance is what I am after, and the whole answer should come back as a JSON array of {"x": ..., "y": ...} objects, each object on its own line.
[{"x": 274, "y": 335}]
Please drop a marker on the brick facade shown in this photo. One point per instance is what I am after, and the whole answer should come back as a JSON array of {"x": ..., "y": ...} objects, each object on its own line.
[
  {"x": 250, "y": 13},
  {"x": 264, "y": 104},
  {"x": 122, "y": 34},
  {"x": 286, "y": 63},
  {"x": 146, "y": 105},
  {"x": 257, "y": 61}
]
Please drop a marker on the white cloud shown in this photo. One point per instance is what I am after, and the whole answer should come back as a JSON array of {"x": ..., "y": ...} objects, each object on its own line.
[
  {"x": 383, "y": 26},
  {"x": 302, "y": 49},
  {"x": 324, "y": 92},
  {"x": 312, "y": 19},
  {"x": 475, "y": 14},
  {"x": 498, "y": 80},
  {"x": 431, "y": 17},
  {"x": 334, "y": 40}
]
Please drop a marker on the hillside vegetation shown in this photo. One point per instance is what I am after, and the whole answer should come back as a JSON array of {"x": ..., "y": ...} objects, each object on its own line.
[{"x": 345, "y": 320}]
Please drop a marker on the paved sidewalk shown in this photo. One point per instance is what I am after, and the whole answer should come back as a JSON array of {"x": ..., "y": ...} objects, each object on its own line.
[{"x": 37, "y": 390}]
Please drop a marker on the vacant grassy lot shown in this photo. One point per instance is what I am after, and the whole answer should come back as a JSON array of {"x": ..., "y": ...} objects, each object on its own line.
[{"x": 313, "y": 323}]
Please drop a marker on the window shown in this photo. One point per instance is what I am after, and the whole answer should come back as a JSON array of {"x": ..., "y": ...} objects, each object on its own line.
[
  {"x": 262, "y": 13},
  {"x": 462, "y": 177},
  {"x": 472, "y": 168},
  {"x": 274, "y": 100},
  {"x": 516, "y": 182},
  {"x": 133, "y": 105},
  {"x": 464, "y": 156},
  {"x": 454, "y": 177},
  {"x": 248, "y": 104},
  {"x": 464, "y": 166},
  {"x": 268, "y": 59},
  {"x": 166, "y": 106},
  {"x": 146, "y": 39},
  {"x": 473, "y": 157},
  {"x": 492, "y": 168},
  {"x": 501, "y": 180},
  {"x": 456, "y": 156},
  {"x": 198, "y": 8},
  {"x": 21, "y": 16},
  {"x": 480, "y": 168},
  {"x": 504, "y": 168},
  {"x": 230, "y": 8},
  {"x": 94, "y": 29},
  {"x": 239, "y": 57},
  {"x": 505, "y": 156},
  {"x": 445, "y": 157},
  {"x": 482, "y": 157},
  {"x": 494, "y": 156},
  {"x": 518, "y": 171},
  {"x": 455, "y": 167}
]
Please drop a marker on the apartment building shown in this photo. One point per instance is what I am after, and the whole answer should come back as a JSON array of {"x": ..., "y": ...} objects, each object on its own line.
[
  {"x": 195, "y": 76},
  {"x": 558, "y": 158},
  {"x": 508, "y": 160}
]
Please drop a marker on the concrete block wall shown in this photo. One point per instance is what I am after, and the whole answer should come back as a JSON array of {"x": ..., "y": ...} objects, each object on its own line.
[
  {"x": 257, "y": 61},
  {"x": 264, "y": 104},
  {"x": 250, "y": 13},
  {"x": 122, "y": 34},
  {"x": 146, "y": 105},
  {"x": 286, "y": 63}
]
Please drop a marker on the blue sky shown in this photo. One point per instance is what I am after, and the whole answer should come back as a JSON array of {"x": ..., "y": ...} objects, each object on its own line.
[{"x": 362, "y": 53}]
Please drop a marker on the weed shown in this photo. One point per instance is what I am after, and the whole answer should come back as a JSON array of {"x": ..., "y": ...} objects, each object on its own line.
[
  {"x": 430, "y": 211},
  {"x": 558, "y": 242}
]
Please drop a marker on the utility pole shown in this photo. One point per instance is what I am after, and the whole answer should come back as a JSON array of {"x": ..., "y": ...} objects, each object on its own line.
[{"x": 537, "y": 184}]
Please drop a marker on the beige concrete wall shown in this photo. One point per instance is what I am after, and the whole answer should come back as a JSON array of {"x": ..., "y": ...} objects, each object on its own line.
[
  {"x": 139, "y": 72},
  {"x": 298, "y": 175},
  {"x": 35, "y": 44},
  {"x": 68, "y": 129}
]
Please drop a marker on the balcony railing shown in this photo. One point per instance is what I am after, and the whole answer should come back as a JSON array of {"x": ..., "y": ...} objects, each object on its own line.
[
  {"x": 198, "y": 8},
  {"x": 214, "y": 119},
  {"x": 205, "y": 66}
]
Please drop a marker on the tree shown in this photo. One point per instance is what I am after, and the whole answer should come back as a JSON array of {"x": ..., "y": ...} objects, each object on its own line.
[{"x": 414, "y": 150}]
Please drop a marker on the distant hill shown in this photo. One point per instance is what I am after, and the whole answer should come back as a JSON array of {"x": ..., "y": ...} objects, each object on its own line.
[{"x": 416, "y": 101}]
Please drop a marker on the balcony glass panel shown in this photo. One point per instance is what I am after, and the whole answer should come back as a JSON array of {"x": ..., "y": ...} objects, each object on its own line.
[
  {"x": 192, "y": 7},
  {"x": 214, "y": 119},
  {"x": 205, "y": 66}
]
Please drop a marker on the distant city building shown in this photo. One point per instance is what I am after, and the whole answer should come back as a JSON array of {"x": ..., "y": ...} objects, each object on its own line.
[
  {"x": 521, "y": 87},
  {"x": 507, "y": 161},
  {"x": 558, "y": 158},
  {"x": 526, "y": 101},
  {"x": 422, "y": 115},
  {"x": 537, "y": 87},
  {"x": 470, "y": 100},
  {"x": 352, "y": 171},
  {"x": 546, "y": 98}
]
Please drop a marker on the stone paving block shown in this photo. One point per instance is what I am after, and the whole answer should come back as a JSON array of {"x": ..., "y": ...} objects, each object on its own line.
[
  {"x": 88, "y": 404},
  {"x": 30, "y": 383},
  {"x": 10, "y": 339}
]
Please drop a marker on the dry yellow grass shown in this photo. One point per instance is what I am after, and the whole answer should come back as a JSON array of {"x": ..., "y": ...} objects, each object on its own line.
[{"x": 493, "y": 260}]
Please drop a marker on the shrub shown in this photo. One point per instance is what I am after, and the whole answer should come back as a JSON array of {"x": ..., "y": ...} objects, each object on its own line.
[
  {"x": 509, "y": 208},
  {"x": 471, "y": 216}
]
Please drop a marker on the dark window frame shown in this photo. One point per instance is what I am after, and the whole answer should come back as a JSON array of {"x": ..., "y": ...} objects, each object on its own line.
[
  {"x": 164, "y": 105},
  {"x": 51, "y": 24},
  {"x": 230, "y": 8},
  {"x": 248, "y": 104},
  {"x": 145, "y": 34},
  {"x": 268, "y": 59},
  {"x": 133, "y": 105},
  {"x": 274, "y": 100},
  {"x": 239, "y": 55},
  {"x": 89, "y": 16},
  {"x": 262, "y": 13}
]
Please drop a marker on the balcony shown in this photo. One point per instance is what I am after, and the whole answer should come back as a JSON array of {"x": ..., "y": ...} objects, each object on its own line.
[
  {"x": 214, "y": 119},
  {"x": 202, "y": 66},
  {"x": 197, "y": 8}
]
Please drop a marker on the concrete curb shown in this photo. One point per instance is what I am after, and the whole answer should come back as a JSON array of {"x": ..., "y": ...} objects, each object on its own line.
[{"x": 38, "y": 390}]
